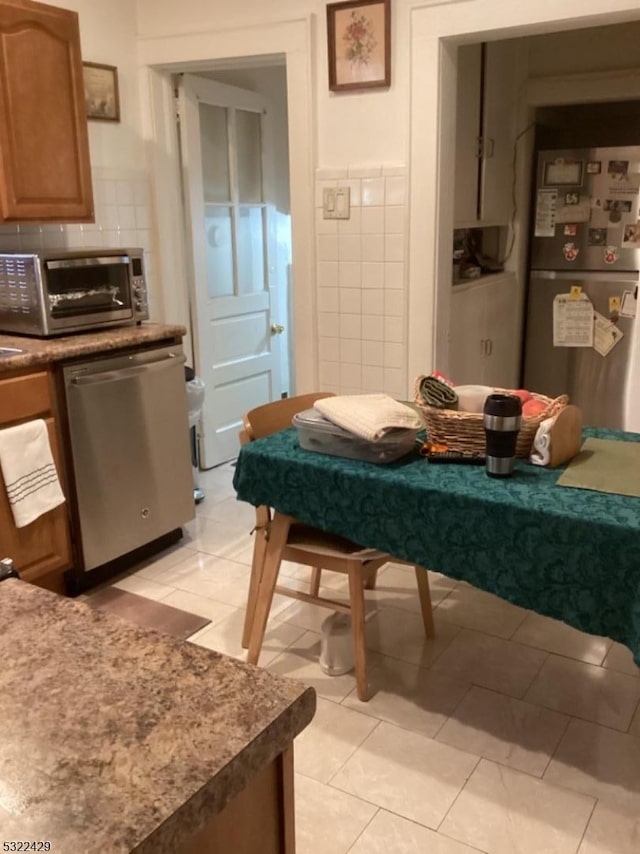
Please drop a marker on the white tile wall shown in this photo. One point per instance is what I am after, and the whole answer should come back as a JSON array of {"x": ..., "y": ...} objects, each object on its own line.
[
  {"x": 361, "y": 266},
  {"x": 124, "y": 216}
]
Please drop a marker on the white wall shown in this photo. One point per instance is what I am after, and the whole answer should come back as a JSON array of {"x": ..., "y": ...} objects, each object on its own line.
[
  {"x": 108, "y": 36},
  {"x": 355, "y": 135},
  {"x": 124, "y": 210},
  {"x": 351, "y": 127},
  {"x": 584, "y": 51},
  {"x": 402, "y": 128},
  {"x": 406, "y": 128}
]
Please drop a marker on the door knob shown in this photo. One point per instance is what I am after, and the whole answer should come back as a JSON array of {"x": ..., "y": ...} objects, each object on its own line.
[{"x": 276, "y": 329}]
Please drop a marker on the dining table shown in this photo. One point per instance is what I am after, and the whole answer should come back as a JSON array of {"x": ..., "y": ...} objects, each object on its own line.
[{"x": 567, "y": 553}]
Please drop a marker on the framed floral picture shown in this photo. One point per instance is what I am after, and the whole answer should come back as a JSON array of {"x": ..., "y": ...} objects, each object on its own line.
[{"x": 359, "y": 41}]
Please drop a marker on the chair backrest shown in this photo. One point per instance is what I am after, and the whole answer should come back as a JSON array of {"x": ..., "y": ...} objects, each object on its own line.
[{"x": 271, "y": 417}]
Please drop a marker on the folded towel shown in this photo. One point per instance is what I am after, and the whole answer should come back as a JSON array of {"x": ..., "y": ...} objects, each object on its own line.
[
  {"x": 370, "y": 416},
  {"x": 471, "y": 398},
  {"x": 28, "y": 470},
  {"x": 437, "y": 393},
  {"x": 541, "y": 449}
]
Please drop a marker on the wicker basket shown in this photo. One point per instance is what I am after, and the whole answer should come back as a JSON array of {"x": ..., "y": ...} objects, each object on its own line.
[{"x": 464, "y": 431}]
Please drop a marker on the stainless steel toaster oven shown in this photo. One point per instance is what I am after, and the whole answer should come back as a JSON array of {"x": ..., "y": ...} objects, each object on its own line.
[{"x": 57, "y": 292}]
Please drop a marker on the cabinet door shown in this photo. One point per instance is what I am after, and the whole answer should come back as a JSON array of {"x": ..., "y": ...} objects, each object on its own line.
[
  {"x": 43, "y": 547},
  {"x": 498, "y": 132},
  {"x": 467, "y": 133},
  {"x": 501, "y": 323},
  {"x": 44, "y": 149},
  {"x": 466, "y": 338}
]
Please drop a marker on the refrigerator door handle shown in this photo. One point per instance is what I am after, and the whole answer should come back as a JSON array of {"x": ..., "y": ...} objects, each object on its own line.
[
  {"x": 581, "y": 276},
  {"x": 483, "y": 347},
  {"x": 489, "y": 349}
]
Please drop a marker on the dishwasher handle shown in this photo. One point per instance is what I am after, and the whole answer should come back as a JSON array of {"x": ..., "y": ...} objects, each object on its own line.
[{"x": 128, "y": 373}]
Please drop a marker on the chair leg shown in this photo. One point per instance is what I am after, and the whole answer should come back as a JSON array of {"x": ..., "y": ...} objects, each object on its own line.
[
  {"x": 314, "y": 589},
  {"x": 356, "y": 595},
  {"x": 277, "y": 540},
  {"x": 371, "y": 580},
  {"x": 422, "y": 577},
  {"x": 259, "y": 552}
]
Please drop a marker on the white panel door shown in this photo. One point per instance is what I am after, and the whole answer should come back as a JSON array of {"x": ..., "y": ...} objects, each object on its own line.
[{"x": 226, "y": 164}]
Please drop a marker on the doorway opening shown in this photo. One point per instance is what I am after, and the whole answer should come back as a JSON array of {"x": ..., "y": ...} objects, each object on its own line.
[
  {"x": 234, "y": 158},
  {"x": 562, "y": 96}
]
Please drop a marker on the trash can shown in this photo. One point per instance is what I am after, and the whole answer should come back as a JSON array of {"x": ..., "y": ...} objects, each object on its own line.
[
  {"x": 336, "y": 646},
  {"x": 195, "y": 398},
  {"x": 7, "y": 569}
]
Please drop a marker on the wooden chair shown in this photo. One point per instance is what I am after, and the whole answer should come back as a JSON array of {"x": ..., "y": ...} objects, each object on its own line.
[{"x": 312, "y": 547}]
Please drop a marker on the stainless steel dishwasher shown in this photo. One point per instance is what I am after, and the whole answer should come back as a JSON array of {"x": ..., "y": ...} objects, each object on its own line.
[{"x": 131, "y": 460}]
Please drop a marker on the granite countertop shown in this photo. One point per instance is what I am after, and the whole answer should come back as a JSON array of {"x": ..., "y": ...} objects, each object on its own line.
[
  {"x": 117, "y": 738},
  {"x": 40, "y": 351}
]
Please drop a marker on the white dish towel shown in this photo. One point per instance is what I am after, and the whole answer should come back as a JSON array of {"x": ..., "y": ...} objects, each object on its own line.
[
  {"x": 29, "y": 472},
  {"x": 370, "y": 416},
  {"x": 541, "y": 450}
]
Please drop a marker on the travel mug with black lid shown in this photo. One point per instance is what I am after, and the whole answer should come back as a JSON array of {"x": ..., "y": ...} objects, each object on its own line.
[{"x": 502, "y": 420}]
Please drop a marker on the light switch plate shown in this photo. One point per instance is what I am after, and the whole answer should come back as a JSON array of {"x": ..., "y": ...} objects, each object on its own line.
[{"x": 336, "y": 203}]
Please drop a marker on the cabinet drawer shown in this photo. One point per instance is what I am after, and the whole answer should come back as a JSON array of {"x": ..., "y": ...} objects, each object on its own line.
[{"x": 24, "y": 397}]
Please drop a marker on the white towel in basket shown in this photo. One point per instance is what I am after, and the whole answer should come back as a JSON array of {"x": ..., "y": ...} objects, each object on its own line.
[
  {"x": 370, "y": 416},
  {"x": 28, "y": 470}
]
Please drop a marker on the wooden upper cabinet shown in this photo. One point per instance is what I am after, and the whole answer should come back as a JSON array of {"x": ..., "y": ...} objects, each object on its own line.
[{"x": 45, "y": 173}]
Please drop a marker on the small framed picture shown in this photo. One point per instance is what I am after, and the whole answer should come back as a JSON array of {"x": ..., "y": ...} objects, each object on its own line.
[
  {"x": 359, "y": 44},
  {"x": 594, "y": 167},
  {"x": 617, "y": 169},
  {"x": 101, "y": 98},
  {"x": 571, "y": 198},
  {"x": 631, "y": 236}
]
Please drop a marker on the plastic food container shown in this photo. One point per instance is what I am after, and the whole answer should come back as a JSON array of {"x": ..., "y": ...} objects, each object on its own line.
[{"x": 317, "y": 433}]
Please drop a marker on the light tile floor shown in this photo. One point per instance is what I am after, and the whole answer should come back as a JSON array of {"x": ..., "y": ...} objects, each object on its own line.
[{"x": 509, "y": 733}]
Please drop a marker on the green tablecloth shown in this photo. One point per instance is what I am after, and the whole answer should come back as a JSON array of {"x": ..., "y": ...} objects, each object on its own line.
[{"x": 571, "y": 554}]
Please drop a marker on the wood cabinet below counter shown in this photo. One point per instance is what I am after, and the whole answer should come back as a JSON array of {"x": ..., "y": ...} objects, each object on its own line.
[
  {"x": 45, "y": 173},
  {"x": 41, "y": 551}
]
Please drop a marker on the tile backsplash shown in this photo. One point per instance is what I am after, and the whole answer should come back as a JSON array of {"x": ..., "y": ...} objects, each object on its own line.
[
  {"x": 124, "y": 216},
  {"x": 362, "y": 282}
]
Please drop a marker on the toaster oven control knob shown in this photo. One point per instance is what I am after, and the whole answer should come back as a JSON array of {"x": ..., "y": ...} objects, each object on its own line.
[{"x": 138, "y": 305}]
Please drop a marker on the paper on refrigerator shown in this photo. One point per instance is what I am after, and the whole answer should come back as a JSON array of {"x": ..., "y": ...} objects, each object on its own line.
[
  {"x": 606, "y": 335},
  {"x": 545, "y": 223},
  {"x": 572, "y": 321}
]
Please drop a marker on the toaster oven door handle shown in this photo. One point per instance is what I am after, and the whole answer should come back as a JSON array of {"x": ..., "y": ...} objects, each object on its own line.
[
  {"x": 86, "y": 262},
  {"x": 128, "y": 373}
]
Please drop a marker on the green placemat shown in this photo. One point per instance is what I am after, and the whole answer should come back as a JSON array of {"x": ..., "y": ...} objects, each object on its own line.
[{"x": 605, "y": 465}]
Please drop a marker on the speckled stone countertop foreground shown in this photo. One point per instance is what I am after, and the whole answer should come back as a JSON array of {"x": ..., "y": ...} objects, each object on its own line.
[
  {"x": 40, "y": 351},
  {"x": 116, "y": 738}
]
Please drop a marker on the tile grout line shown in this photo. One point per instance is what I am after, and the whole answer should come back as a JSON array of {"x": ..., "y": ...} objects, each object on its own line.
[
  {"x": 355, "y": 841},
  {"x": 359, "y": 747},
  {"x": 462, "y": 788},
  {"x": 555, "y": 749},
  {"x": 448, "y": 718},
  {"x": 586, "y": 827}
]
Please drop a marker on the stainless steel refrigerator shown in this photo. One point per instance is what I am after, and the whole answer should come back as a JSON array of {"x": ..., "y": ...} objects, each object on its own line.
[{"x": 585, "y": 245}]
